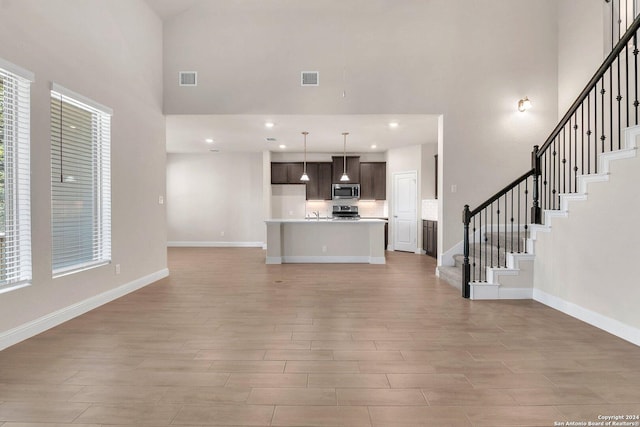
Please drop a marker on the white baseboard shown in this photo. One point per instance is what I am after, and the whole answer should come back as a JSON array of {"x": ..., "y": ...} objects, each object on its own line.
[
  {"x": 333, "y": 259},
  {"x": 615, "y": 327},
  {"x": 516, "y": 293},
  {"x": 34, "y": 327},
  {"x": 204, "y": 244}
]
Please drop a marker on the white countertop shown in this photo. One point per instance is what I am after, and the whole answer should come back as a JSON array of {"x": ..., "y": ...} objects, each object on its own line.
[{"x": 325, "y": 221}]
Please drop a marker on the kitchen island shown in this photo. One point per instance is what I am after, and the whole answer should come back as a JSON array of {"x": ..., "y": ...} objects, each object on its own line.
[{"x": 325, "y": 241}]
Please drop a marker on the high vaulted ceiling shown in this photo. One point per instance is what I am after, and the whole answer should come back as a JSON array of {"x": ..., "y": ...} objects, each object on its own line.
[{"x": 247, "y": 132}]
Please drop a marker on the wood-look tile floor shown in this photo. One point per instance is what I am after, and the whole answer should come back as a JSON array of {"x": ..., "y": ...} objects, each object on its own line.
[{"x": 229, "y": 341}]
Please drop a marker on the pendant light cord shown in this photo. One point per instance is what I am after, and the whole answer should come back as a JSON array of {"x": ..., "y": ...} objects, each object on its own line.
[
  {"x": 305, "y": 152},
  {"x": 344, "y": 153}
]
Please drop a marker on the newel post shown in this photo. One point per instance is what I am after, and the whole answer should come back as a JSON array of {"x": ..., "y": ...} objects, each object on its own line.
[
  {"x": 466, "y": 268},
  {"x": 536, "y": 210}
]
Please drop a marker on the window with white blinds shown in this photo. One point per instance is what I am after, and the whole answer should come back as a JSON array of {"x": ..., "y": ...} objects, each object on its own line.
[
  {"x": 80, "y": 182},
  {"x": 15, "y": 203}
]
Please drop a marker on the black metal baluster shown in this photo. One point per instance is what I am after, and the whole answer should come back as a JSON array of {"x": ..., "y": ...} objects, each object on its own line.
[
  {"x": 564, "y": 159},
  {"x": 575, "y": 154},
  {"x": 570, "y": 129},
  {"x": 498, "y": 234},
  {"x": 504, "y": 249},
  {"x": 512, "y": 219},
  {"x": 486, "y": 244},
  {"x": 626, "y": 86},
  {"x": 506, "y": 211},
  {"x": 619, "y": 99},
  {"x": 589, "y": 133},
  {"x": 518, "y": 227},
  {"x": 526, "y": 211},
  {"x": 558, "y": 178},
  {"x": 610, "y": 107},
  {"x": 603, "y": 137},
  {"x": 545, "y": 181},
  {"x": 595, "y": 128},
  {"x": 491, "y": 236},
  {"x": 582, "y": 139},
  {"x": 553, "y": 175},
  {"x": 635, "y": 76},
  {"x": 473, "y": 251}
]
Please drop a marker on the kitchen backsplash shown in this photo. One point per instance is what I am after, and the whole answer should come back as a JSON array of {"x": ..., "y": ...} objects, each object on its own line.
[
  {"x": 288, "y": 201},
  {"x": 430, "y": 209},
  {"x": 366, "y": 208}
]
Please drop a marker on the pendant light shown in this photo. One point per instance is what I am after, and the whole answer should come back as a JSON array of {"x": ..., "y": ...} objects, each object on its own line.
[
  {"x": 304, "y": 176},
  {"x": 344, "y": 176}
]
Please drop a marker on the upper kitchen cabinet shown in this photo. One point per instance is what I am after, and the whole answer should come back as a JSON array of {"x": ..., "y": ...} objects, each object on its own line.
[
  {"x": 373, "y": 180},
  {"x": 286, "y": 173},
  {"x": 319, "y": 184},
  {"x": 353, "y": 169}
]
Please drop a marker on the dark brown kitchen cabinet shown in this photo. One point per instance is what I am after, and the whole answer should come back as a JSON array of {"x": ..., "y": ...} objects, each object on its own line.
[
  {"x": 430, "y": 237},
  {"x": 373, "y": 180},
  {"x": 286, "y": 173},
  {"x": 319, "y": 184},
  {"x": 353, "y": 169}
]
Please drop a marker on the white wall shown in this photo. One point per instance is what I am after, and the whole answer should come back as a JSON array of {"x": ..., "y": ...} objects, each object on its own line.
[
  {"x": 289, "y": 201},
  {"x": 468, "y": 60},
  {"x": 109, "y": 51},
  {"x": 215, "y": 193},
  {"x": 587, "y": 264},
  {"x": 581, "y": 46}
]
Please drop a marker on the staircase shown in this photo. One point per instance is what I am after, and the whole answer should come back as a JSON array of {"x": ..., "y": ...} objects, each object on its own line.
[
  {"x": 514, "y": 278},
  {"x": 495, "y": 259}
]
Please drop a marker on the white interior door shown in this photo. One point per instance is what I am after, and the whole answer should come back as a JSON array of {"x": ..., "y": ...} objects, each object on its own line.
[{"x": 405, "y": 212}]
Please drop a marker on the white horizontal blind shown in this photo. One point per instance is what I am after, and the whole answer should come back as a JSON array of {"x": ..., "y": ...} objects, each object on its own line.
[
  {"x": 80, "y": 185},
  {"x": 15, "y": 202}
]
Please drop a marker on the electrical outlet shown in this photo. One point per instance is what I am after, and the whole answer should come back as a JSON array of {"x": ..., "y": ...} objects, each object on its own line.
[
  {"x": 117, "y": 268},
  {"x": 454, "y": 188},
  {"x": 222, "y": 234},
  {"x": 324, "y": 248},
  {"x": 161, "y": 200}
]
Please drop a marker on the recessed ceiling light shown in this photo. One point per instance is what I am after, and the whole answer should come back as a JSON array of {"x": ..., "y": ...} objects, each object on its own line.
[
  {"x": 269, "y": 124},
  {"x": 393, "y": 125},
  {"x": 208, "y": 140},
  {"x": 374, "y": 146},
  {"x": 282, "y": 146}
]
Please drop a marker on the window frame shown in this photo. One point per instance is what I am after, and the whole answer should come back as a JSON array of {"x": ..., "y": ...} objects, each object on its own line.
[
  {"x": 100, "y": 160},
  {"x": 17, "y": 169}
]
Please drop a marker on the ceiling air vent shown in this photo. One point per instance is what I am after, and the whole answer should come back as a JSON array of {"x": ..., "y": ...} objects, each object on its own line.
[
  {"x": 188, "y": 78},
  {"x": 310, "y": 78},
  {"x": 270, "y": 139}
]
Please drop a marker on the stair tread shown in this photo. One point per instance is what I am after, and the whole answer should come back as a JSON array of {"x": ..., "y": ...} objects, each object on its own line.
[{"x": 451, "y": 275}]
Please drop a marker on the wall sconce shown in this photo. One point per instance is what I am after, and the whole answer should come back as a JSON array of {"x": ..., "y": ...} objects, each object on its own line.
[{"x": 524, "y": 104}]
